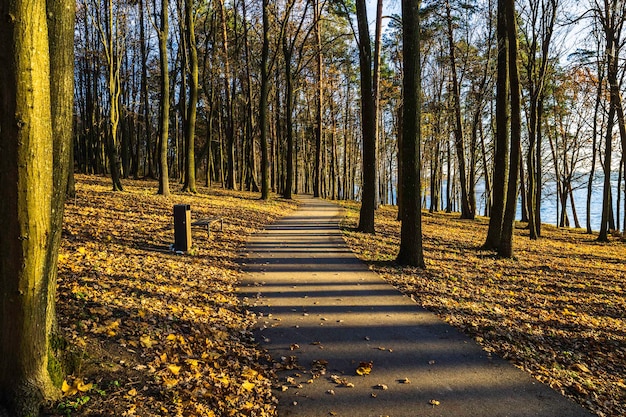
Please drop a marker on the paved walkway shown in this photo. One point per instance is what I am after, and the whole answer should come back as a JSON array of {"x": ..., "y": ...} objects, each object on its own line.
[{"x": 324, "y": 311}]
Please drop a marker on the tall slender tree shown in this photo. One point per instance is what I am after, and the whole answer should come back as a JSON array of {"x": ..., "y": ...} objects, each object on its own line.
[
  {"x": 502, "y": 144},
  {"x": 467, "y": 211},
  {"x": 540, "y": 23},
  {"x": 319, "y": 73},
  {"x": 411, "y": 251},
  {"x": 610, "y": 13},
  {"x": 164, "y": 103},
  {"x": 190, "y": 122},
  {"x": 505, "y": 248},
  {"x": 263, "y": 105},
  {"x": 368, "y": 122},
  {"x": 113, "y": 48}
]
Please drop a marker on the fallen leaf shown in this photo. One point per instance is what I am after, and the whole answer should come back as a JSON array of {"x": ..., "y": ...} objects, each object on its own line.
[
  {"x": 248, "y": 386},
  {"x": 581, "y": 368},
  {"x": 174, "y": 369},
  {"x": 365, "y": 368},
  {"x": 146, "y": 341},
  {"x": 170, "y": 382}
]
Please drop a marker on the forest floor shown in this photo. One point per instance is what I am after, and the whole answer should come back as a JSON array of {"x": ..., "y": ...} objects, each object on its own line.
[
  {"x": 154, "y": 333},
  {"x": 151, "y": 332},
  {"x": 558, "y": 311}
]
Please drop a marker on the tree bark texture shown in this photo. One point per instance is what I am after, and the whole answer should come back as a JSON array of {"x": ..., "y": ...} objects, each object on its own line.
[
  {"x": 164, "y": 104},
  {"x": 411, "y": 251},
  {"x": 505, "y": 248},
  {"x": 31, "y": 199},
  {"x": 368, "y": 123},
  {"x": 263, "y": 105},
  {"x": 502, "y": 145},
  {"x": 190, "y": 125}
]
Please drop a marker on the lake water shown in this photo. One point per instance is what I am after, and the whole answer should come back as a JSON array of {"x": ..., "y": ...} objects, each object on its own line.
[{"x": 549, "y": 202}]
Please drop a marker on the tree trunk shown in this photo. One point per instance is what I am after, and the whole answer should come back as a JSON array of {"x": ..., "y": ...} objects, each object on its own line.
[
  {"x": 612, "y": 67},
  {"x": 164, "y": 105},
  {"x": 501, "y": 155},
  {"x": 411, "y": 251},
  {"x": 114, "y": 83},
  {"x": 505, "y": 249},
  {"x": 190, "y": 126},
  {"x": 459, "y": 142},
  {"x": 263, "y": 105},
  {"x": 251, "y": 154},
  {"x": 368, "y": 123},
  {"x": 289, "y": 118},
  {"x": 145, "y": 99},
  {"x": 230, "y": 132},
  {"x": 317, "y": 180},
  {"x": 36, "y": 125}
]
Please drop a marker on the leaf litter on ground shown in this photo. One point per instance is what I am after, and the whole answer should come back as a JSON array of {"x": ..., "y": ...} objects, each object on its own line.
[
  {"x": 159, "y": 333},
  {"x": 558, "y": 311}
]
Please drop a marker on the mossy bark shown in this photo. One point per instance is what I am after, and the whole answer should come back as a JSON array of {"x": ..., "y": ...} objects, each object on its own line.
[
  {"x": 26, "y": 194},
  {"x": 36, "y": 128}
]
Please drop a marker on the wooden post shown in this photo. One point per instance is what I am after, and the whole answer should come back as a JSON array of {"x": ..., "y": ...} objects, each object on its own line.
[{"x": 182, "y": 227}]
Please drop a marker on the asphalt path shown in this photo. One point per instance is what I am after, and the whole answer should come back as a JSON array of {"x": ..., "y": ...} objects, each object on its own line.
[{"x": 326, "y": 318}]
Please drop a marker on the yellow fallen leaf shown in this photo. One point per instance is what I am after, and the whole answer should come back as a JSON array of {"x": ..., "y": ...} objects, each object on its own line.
[
  {"x": 248, "y": 386},
  {"x": 83, "y": 387},
  {"x": 249, "y": 373},
  {"x": 146, "y": 341},
  {"x": 76, "y": 387},
  {"x": 365, "y": 368},
  {"x": 170, "y": 383},
  {"x": 175, "y": 369},
  {"x": 581, "y": 368},
  {"x": 223, "y": 379},
  {"x": 67, "y": 389},
  {"x": 132, "y": 392}
]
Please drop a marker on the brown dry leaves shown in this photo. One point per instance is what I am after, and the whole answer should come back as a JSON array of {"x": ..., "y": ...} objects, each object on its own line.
[
  {"x": 558, "y": 311},
  {"x": 159, "y": 333}
]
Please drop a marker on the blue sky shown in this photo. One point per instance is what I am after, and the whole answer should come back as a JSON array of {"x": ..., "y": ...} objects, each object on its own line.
[{"x": 389, "y": 7}]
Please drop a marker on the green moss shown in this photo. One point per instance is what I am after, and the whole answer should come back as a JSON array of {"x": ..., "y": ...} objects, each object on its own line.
[{"x": 56, "y": 353}]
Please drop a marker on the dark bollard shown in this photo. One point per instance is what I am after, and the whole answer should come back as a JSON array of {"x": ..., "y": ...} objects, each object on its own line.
[{"x": 182, "y": 227}]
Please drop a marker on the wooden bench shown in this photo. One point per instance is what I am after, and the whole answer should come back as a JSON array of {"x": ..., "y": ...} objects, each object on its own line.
[{"x": 207, "y": 222}]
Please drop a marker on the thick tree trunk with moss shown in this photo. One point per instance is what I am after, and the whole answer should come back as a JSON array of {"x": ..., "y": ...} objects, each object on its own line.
[
  {"x": 61, "y": 24},
  {"x": 411, "y": 251},
  {"x": 32, "y": 196}
]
